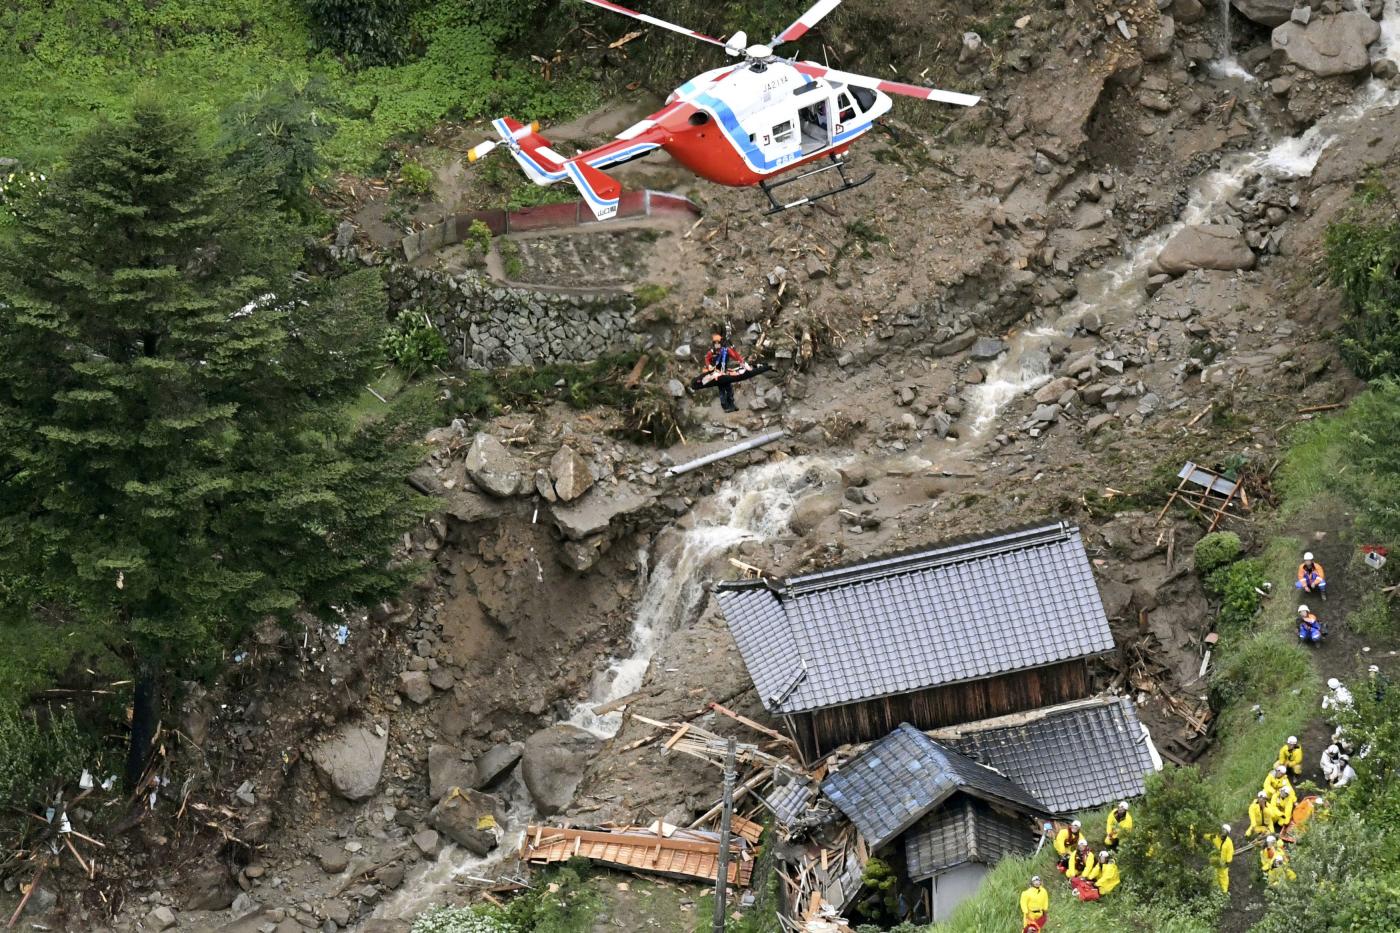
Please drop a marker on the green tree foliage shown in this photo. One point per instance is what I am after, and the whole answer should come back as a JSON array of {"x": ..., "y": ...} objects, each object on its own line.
[
  {"x": 1348, "y": 868},
  {"x": 274, "y": 137},
  {"x": 1165, "y": 859},
  {"x": 1363, "y": 259},
  {"x": 1372, "y": 480},
  {"x": 175, "y": 462},
  {"x": 1237, "y": 587},
  {"x": 371, "y": 32},
  {"x": 36, "y": 756},
  {"x": 1216, "y": 550}
]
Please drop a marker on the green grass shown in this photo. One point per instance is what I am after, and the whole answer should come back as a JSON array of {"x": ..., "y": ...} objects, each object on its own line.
[
  {"x": 1373, "y": 617},
  {"x": 996, "y": 905},
  {"x": 69, "y": 62}
]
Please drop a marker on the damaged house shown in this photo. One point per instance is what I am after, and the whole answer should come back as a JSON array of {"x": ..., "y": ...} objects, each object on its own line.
[{"x": 946, "y": 696}]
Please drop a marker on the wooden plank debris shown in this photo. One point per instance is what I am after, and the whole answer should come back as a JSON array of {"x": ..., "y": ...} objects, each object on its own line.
[{"x": 685, "y": 854}]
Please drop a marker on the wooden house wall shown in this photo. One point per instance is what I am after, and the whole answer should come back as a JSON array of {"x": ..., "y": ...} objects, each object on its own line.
[{"x": 820, "y": 731}]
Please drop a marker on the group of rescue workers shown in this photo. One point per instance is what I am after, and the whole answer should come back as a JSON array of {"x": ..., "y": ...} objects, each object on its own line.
[{"x": 1092, "y": 876}]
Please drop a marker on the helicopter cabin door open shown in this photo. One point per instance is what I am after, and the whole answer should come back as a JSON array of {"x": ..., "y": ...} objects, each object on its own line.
[{"x": 814, "y": 116}]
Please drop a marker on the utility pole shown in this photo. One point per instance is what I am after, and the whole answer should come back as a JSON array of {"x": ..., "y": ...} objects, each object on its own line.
[{"x": 722, "y": 875}]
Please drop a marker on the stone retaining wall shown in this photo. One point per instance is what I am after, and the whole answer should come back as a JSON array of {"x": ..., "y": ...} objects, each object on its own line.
[{"x": 488, "y": 326}]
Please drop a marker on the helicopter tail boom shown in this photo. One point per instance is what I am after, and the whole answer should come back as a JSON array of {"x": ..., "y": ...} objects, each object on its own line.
[{"x": 533, "y": 153}]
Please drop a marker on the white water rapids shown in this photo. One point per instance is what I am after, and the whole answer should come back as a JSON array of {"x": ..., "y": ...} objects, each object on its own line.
[
  {"x": 754, "y": 506},
  {"x": 1118, "y": 289}
]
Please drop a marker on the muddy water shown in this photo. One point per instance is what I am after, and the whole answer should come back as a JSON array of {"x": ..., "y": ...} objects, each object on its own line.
[{"x": 1118, "y": 290}]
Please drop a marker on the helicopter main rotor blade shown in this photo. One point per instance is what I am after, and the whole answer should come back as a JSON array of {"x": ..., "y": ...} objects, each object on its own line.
[
  {"x": 605, "y": 4},
  {"x": 805, "y": 22},
  {"x": 812, "y": 69}
]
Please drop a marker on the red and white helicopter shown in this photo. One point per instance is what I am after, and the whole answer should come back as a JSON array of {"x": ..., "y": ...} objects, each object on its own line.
[{"x": 740, "y": 125}]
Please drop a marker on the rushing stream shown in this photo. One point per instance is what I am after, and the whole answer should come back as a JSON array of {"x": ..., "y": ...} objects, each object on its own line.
[
  {"x": 1117, "y": 291},
  {"x": 755, "y": 505}
]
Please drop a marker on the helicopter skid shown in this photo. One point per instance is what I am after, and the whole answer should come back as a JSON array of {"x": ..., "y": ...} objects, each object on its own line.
[{"x": 838, "y": 164}]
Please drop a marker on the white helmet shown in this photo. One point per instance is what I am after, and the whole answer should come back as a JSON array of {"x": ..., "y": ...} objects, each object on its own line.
[
  {"x": 1307, "y": 555},
  {"x": 1084, "y": 843},
  {"x": 1278, "y": 859},
  {"x": 1262, "y": 796},
  {"x": 1075, "y": 825},
  {"x": 1105, "y": 855},
  {"x": 1225, "y": 828},
  {"x": 1302, "y": 609},
  {"x": 1280, "y": 770},
  {"x": 1373, "y": 669},
  {"x": 1270, "y": 840},
  {"x": 1333, "y": 683},
  {"x": 1035, "y": 881},
  {"x": 1292, "y": 740}
]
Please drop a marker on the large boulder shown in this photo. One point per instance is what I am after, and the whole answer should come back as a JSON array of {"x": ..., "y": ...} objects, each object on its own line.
[
  {"x": 492, "y": 467},
  {"x": 813, "y": 509},
  {"x": 497, "y": 763},
  {"x": 1206, "y": 246},
  {"x": 350, "y": 762},
  {"x": 592, "y": 514},
  {"x": 571, "y": 474},
  {"x": 1329, "y": 45},
  {"x": 553, "y": 763},
  {"x": 447, "y": 770},
  {"x": 1266, "y": 12},
  {"x": 473, "y": 820}
]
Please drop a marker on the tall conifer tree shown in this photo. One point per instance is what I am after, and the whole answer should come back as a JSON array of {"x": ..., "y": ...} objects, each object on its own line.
[{"x": 175, "y": 464}]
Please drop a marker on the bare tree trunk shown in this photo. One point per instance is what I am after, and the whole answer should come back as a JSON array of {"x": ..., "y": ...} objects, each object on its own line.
[{"x": 145, "y": 715}]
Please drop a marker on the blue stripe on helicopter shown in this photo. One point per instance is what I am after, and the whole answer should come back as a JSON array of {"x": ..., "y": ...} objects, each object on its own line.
[
  {"x": 750, "y": 153},
  {"x": 553, "y": 175},
  {"x": 576, "y": 175}
]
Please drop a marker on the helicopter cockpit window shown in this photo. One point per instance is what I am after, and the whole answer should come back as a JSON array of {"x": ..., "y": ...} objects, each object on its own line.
[
  {"x": 865, "y": 98},
  {"x": 848, "y": 112},
  {"x": 782, "y": 132}
]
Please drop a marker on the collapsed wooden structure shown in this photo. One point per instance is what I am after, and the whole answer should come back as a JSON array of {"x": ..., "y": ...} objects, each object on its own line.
[
  {"x": 661, "y": 849},
  {"x": 1210, "y": 494}
]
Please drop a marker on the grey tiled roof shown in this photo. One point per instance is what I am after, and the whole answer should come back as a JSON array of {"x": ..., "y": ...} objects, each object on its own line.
[
  {"x": 886, "y": 788},
  {"x": 791, "y": 800},
  {"x": 965, "y": 830},
  {"x": 1071, "y": 760},
  {"x": 961, "y": 611}
]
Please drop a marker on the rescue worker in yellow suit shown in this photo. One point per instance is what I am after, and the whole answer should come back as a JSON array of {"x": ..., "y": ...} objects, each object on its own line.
[
  {"x": 1278, "y": 777},
  {"x": 1259, "y": 820},
  {"x": 1224, "y": 854},
  {"x": 1035, "y": 902},
  {"x": 1120, "y": 823},
  {"x": 1272, "y": 848},
  {"x": 1279, "y": 871},
  {"x": 1108, "y": 877},
  {"x": 1290, "y": 756},
  {"x": 1082, "y": 862},
  {"x": 1066, "y": 841},
  {"x": 1280, "y": 809}
]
